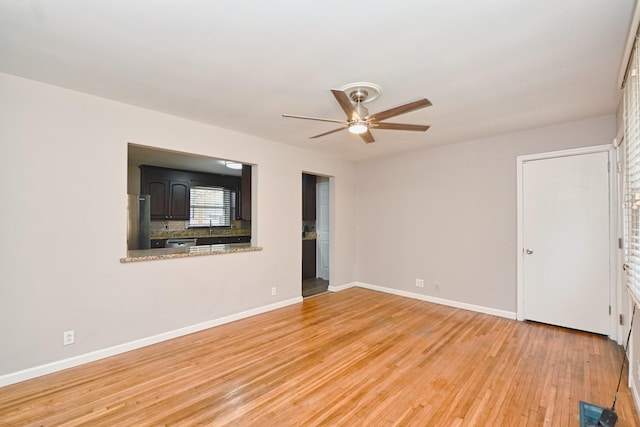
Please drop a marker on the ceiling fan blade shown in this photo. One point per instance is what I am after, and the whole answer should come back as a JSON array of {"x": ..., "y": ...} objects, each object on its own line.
[
  {"x": 327, "y": 133},
  {"x": 399, "y": 126},
  {"x": 346, "y": 104},
  {"x": 367, "y": 137},
  {"x": 312, "y": 118},
  {"x": 396, "y": 111}
]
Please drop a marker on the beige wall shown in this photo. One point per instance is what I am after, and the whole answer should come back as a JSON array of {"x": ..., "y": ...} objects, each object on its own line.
[
  {"x": 64, "y": 171},
  {"x": 447, "y": 214}
]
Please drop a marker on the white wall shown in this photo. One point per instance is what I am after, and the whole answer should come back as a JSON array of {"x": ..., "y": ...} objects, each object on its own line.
[
  {"x": 63, "y": 227},
  {"x": 448, "y": 214}
]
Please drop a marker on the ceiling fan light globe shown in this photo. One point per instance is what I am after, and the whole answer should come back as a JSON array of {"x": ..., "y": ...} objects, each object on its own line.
[{"x": 358, "y": 127}]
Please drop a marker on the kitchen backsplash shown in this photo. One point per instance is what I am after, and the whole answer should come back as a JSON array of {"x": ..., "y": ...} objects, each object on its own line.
[
  {"x": 168, "y": 229},
  {"x": 156, "y": 226}
]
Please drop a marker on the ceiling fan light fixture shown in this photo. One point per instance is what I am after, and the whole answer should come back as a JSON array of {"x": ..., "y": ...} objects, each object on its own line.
[
  {"x": 233, "y": 165},
  {"x": 358, "y": 127},
  {"x": 351, "y": 99}
]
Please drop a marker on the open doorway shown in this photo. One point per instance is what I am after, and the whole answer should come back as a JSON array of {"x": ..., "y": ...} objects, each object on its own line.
[{"x": 315, "y": 234}]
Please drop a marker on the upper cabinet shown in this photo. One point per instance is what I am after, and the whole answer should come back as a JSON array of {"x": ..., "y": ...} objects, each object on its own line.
[
  {"x": 179, "y": 195},
  {"x": 169, "y": 193},
  {"x": 308, "y": 197},
  {"x": 245, "y": 193}
]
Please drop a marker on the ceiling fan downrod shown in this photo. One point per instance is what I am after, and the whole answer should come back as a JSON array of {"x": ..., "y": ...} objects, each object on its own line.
[{"x": 358, "y": 97}]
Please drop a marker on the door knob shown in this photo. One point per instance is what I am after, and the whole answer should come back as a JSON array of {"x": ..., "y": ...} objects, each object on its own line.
[{"x": 529, "y": 251}]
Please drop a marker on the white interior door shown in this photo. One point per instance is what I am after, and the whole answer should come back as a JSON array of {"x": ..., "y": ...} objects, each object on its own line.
[
  {"x": 322, "y": 227},
  {"x": 566, "y": 241}
]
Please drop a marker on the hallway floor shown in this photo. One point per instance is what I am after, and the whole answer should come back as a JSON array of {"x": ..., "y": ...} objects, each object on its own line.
[{"x": 314, "y": 286}]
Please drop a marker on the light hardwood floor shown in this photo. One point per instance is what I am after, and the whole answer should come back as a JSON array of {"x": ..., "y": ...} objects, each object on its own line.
[{"x": 352, "y": 358}]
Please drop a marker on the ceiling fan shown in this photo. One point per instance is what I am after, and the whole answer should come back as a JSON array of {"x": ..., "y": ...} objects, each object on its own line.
[{"x": 352, "y": 97}]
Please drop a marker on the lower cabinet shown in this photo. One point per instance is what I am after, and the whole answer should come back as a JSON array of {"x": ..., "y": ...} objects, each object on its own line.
[
  {"x": 222, "y": 240},
  {"x": 308, "y": 259},
  {"x": 158, "y": 243}
]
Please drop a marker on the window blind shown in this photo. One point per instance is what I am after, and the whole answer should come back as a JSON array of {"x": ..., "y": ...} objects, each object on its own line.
[
  {"x": 210, "y": 207},
  {"x": 631, "y": 143}
]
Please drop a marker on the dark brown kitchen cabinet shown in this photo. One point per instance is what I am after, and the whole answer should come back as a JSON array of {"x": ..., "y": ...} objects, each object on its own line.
[
  {"x": 169, "y": 199},
  {"x": 222, "y": 240},
  {"x": 308, "y": 197},
  {"x": 179, "y": 193},
  {"x": 158, "y": 189},
  {"x": 158, "y": 243},
  {"x": 308, "y": 259},
  {"x": 169, "y": 190},
  {"x": 245, "y": 193}
]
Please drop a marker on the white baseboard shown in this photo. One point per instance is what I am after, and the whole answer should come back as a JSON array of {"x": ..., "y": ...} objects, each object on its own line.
[
  {"x": 60, "y": 365},
  {"x": 81, "y": 359},
  {"x": 441, "y": 301},
  {"x": 342, "y": 287}
]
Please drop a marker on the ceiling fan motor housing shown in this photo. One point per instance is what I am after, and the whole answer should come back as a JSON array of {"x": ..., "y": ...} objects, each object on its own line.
[{"x": 359, "y": 95}]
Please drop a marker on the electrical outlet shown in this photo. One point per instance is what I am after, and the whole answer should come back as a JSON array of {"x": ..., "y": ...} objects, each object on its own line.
[
  {"x": 274, "y": 291},
  {"x": 68, "y": 337},
  {"x": 420, "y": 283}
]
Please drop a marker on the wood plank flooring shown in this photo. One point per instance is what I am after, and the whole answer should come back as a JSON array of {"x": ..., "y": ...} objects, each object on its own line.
[{"x": 351, "y": 358}]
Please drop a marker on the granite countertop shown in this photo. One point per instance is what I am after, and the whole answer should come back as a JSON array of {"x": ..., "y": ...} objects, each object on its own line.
[
  {"x": 187, "y": 251},
  {"x": 199, "y": 232}
]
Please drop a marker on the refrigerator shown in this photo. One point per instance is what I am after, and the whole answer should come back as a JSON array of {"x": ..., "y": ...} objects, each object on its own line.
[{"x": 138, "y": 223}]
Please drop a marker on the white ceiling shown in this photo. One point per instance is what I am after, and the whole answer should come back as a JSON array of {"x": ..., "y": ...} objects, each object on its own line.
[{"x": 488, "y": 66}]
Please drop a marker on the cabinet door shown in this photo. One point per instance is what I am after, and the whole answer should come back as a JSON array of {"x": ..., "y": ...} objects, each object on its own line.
[
  {"x": 308, "y": 259},
  {"x": 159, "y": 191},
  {"x": 208, "y": 241},
  {"x": 179, "y": 201},
  {"x": 308, "y": 197},
  {"x": 222, "y": 240},
  {"x": 158, "y": 243}
]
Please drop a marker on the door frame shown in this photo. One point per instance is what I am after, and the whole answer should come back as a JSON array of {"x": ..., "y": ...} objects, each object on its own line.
[
  {"x": 331, "y": 221},
  {"x": 614, "y": 285}
]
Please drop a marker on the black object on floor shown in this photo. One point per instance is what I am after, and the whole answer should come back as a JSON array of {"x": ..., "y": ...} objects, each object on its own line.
[{"x": 608, "y": 418}]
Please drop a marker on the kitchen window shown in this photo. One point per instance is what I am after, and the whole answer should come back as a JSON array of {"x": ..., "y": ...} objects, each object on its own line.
[{"x": 211, "y": 207}]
